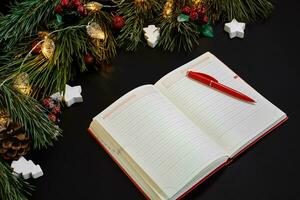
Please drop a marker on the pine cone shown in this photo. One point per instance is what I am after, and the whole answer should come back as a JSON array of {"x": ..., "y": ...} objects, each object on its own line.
[{"x": 14, "y": 142}]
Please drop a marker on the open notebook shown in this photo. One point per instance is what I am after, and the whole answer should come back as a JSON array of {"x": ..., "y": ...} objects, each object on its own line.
[{"x": 171, "y": 136}]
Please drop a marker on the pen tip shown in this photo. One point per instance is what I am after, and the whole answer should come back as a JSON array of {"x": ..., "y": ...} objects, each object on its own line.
[{"x": 253, "y": 101}]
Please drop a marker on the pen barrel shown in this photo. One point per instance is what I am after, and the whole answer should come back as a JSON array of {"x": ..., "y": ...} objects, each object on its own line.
[
  {"x": 232, "y": 92},
  {"x": 213, "y": 83}
]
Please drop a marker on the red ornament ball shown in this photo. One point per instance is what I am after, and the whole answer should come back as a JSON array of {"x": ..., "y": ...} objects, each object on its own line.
[
  {"x": 119, "y": 22},
  {"x": 58, "y": 9},
  {"x": 64, "y": 3},
  {"x": 186, "y": 10},
  {"x": 89, "y": 59},
  {"x": 81, "y": 10},
  {"x": 193, "y": 16},
  {"x": 36, "y": 48},
  {"x": 52, "y": 117}
]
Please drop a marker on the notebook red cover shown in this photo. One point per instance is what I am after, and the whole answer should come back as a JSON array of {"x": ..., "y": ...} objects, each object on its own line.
[{"x": 202, "y": 180}]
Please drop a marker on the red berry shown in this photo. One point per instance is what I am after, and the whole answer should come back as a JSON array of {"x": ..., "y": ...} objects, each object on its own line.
[
  {"x": 193, "y": 16},
  {"x": 51, "y": 105},
  {"x": 186, "y": 10},
  {"x": 47, "y": 101},
  {"x": 52, "y": 117},
  {"x": 204, "y": 20},
  {"x": 89, "y": 59},
  {"x": 76, "y": 3},
  {"x": 193, "y": 9},
  {"x": 64, "y": 3},
  {"x": 58, "y": 9},
  {"x": 201, "y": 10},
  {"x": 56, "y": 110},
  {"x": 81, "y": 10},
  {"x": 36, "y": 48},
  {"x": 118, "y": 22}
]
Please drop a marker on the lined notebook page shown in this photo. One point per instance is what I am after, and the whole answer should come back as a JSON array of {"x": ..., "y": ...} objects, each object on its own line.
[
  {"x": 228, "y": 121},
  {"x": 162, "y": 141}
]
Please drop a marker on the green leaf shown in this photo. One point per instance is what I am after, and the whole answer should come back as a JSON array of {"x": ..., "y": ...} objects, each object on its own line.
[
  {"x": 183, "y": 18},
  {"x": 58, "y": 18},
  {"x": 207, "y": 31}
]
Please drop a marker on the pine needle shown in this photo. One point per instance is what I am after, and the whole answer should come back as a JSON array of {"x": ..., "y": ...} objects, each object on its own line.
[
  {"x": 242, "y": 10},
  {"x": 103, "y": 51},
  {"x": 136, "y": 17},
  {"x": 25, "y": 18},
  {"x": 30, "y": 113},
  {"x": 176, "y": 35},
  {"x": 12, "y": 187}
]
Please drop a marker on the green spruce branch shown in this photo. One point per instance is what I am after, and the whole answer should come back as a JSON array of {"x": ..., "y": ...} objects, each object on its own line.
[
  {"x": 103, "y": 51},
  {"x": 71, "y": 48},
  {"x": 131, "y": 35},
  {"x": 24, "y": 19},
  {"x": 12, "y": 187},
  {"x": 30, "y": 113},
  {"x": 45, "y": 77},
  {"x": 136, "y": 17},
  {"x": 242, "y": 10},
  {"x": 48, "y": 76},
  {"x": 176, "y": 35}
]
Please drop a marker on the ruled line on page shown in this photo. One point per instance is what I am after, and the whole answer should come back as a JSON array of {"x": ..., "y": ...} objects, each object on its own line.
[
  {"x": 125, "y": 101},
  {"x": 176, "y": 76},
  {"x": 119, "y": 106}
]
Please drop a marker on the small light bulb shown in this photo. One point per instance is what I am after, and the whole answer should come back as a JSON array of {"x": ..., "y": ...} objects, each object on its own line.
[
  {"x": 95, "y": 31},
  {"x": 93, "y": 6},
  {"x": 48, "y": 47},
  {"x": 21, "y": 83}
]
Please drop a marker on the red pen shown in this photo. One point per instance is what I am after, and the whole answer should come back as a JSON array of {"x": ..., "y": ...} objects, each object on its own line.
[{"x": 212, "y": 82}]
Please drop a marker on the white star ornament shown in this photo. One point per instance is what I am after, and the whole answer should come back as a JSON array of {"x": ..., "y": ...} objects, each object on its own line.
[{"x": 235, "y": 29}]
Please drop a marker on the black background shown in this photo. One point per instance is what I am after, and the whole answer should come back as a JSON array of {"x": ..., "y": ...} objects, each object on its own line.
[{"x": 267, "y": 58}]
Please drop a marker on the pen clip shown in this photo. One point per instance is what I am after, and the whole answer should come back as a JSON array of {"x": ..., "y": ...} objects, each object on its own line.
[{"x": 205, "y": 76}]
